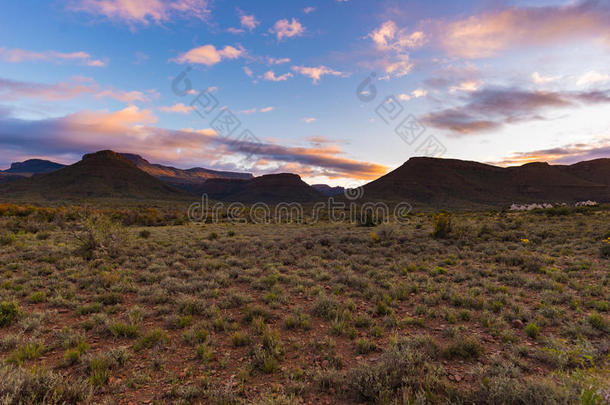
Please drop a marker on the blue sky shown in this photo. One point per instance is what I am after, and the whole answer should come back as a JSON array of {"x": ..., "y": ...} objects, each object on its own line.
[{"x": 493, "y": 81}]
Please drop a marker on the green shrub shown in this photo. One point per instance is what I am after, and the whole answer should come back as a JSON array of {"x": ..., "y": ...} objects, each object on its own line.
[
  {"x": 442, "y": 225},
  {"x": 403, "y": 370},
  {"x": 39, "y": 386},
  {"x": 153, "y": 338},
  {"x": 7, "y": 239},
  {"x": 326, "y": 307},
  {"x": 465, "y": 348},
  {"x": 124, "y": 329},
  {"x": 37, "y": 297},
  {"x": 364, "y": 346},
  {"x": 29, "y": 351},
  {"x": 144, "y": 234},
  {"x": 9, "y": 312},
  {"x": 532, "y": 330},
  {"x": 240, "y": 339},
  {"x": 204, "y": 352},
  {"x": 598, "y": 321}
]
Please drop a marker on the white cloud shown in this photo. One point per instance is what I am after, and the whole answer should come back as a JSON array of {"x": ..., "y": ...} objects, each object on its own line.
[
  {"x": 248, "y": 71},
  {"x": 308, "y": 10},
  {"x": 419, "y": 93},
  {"x": 308, "y": 120},
  {"x": 257, "y": 110},
  {"x": 395, "y": 44},
  {"x": 399, "y": 66},
  {"x": 404, "y": 97},
  {"x": 128, "y": 97},
  {"x": 177, "y": 108},
  {"x": 208, "y": 55},
  {"x": 592, "y": 77},
  {"x": 270, "y": 75},
  {"x": 389, "y": 37},
  {"x": 316, "y": 73},
  {"x": 467, "y": 85},
  {"x": 541, "y": 79},
  {"x": 287, "y": 29}
]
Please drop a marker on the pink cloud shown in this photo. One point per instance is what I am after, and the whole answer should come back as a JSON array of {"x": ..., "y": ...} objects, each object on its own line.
[
  {"x": 316, "y": 73},
  {"x": 179, "y": 108},
  {"x": 208, "y": 55},
  {"x": 270, "y": 76},
  {"x": 143, "y": 11},
  {"x": 76, "y": 87},
  {"x": 287, "y": 29},
  {"x": 23, "y": 55},
  {"x": 484, "y": 35}
]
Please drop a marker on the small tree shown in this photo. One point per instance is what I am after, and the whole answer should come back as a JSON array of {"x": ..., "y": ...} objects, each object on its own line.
[
  {"x": 102, "y": 235},
  {"x": 442, "y": 225}
]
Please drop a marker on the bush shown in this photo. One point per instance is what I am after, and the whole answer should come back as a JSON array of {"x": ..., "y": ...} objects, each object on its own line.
[
  {"x": 532, "y": 330},
  {"x": 466, "y": 348},
  {"x": 124, "y": 329},
  {"x": 404, "y": 367},
  {"x": 38, "y": 386},
  {"x": 597, "y": 321},
  {"x": 29, "y": 351},
  {"x": 364, "y": 346},
  {"x": 204, "y": 352},
  {"x": 144, "y": 234},
  {"x": 37, "y": 297},
  {"x": 151, "y": 339},
  {"x": 9, "y": 312},
  {"x": 100, "y": 235},
  {"x": 326, "y": 307},
  {"x": 7, "y": 239},
  {"x": 442, "y": 225},
  {"x": 240, "y": 339}
]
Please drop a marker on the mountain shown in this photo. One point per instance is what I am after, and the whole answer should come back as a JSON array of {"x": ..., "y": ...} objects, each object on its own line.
[
  {"x": 327, "y": 190},
  {"x": 455, "y": 183},
  {"x": 284, "y": 187},
  {"x": 596, "y": 171},
  {"x": 7, "y": 177},
  {"x": 33, "y": 166},
  {"x": 182, "y": 178},
  {"x": 98, "y": 175}
]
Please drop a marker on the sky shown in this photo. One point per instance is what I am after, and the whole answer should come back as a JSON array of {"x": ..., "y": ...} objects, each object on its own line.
[{"x": 337, "y": 91}]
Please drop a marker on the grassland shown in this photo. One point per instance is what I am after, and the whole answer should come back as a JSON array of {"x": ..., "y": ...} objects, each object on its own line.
[{"x": 488, "y": 307}]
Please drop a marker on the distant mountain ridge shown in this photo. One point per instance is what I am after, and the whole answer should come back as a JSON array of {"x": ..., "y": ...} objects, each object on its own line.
[
  {"x": 180, "y": 177},
  {"x": 426, "y": 182},
  {"x": 283, "y": 187},
  {"x": 327, "y": 190},
  {"x": 33, "y": 166},
  {"x": 457, "y": 183},
  {"x": 104, "y": 174}
]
